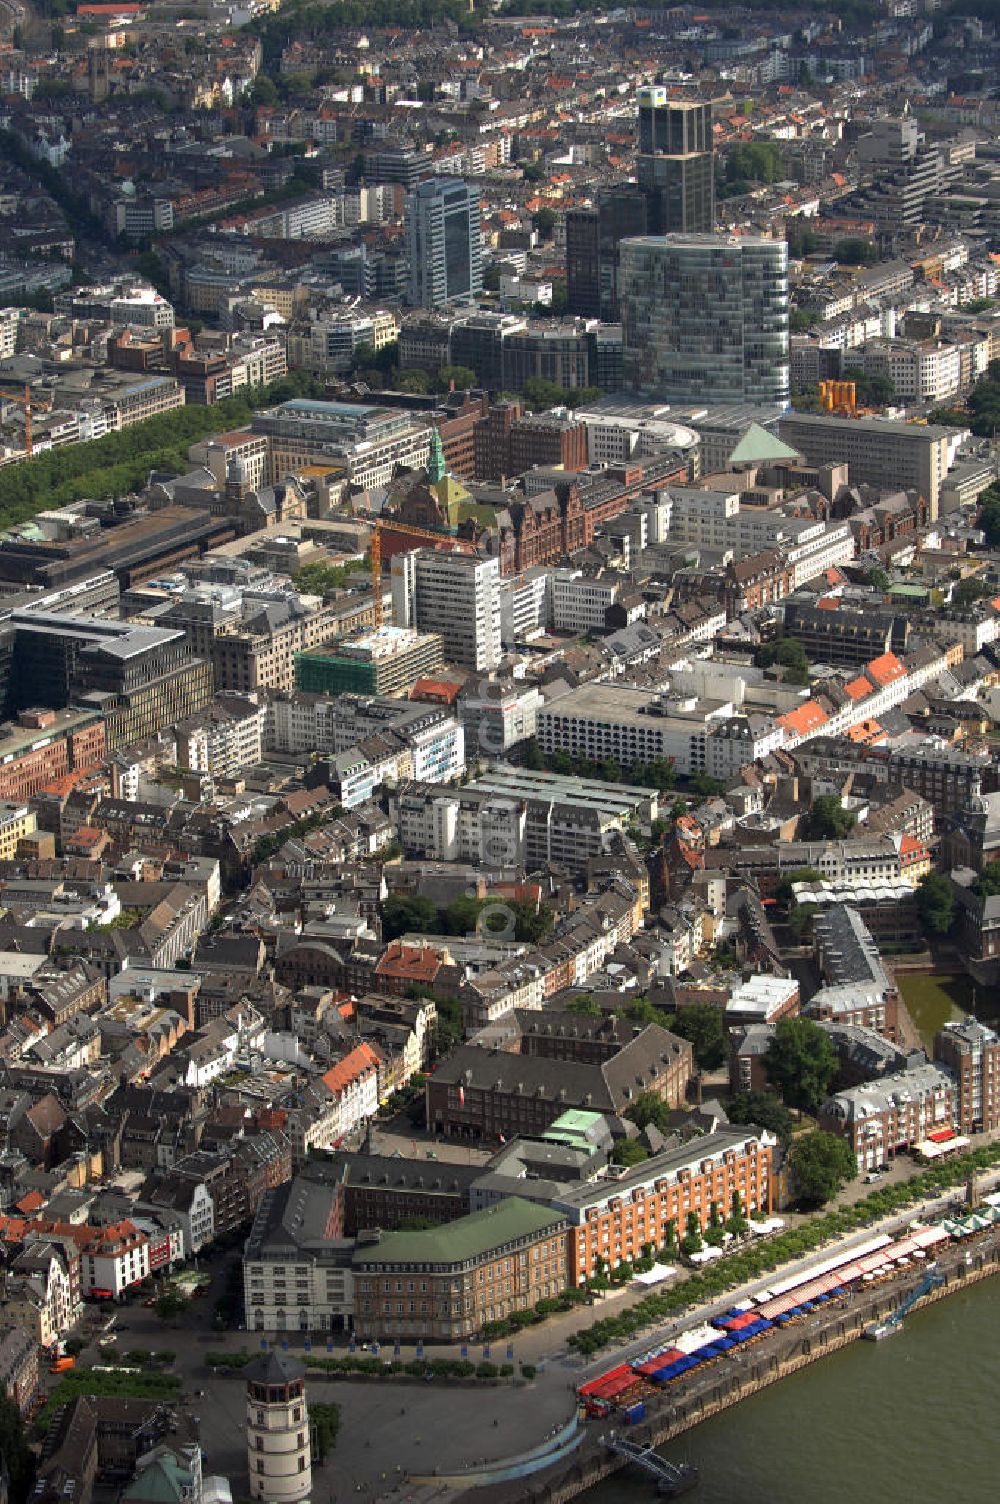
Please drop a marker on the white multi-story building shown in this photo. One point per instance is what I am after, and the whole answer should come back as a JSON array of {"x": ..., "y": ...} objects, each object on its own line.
[
  {"x": 580, "y": 602},
  {"x": 328, "y": 342},
  {"x": 435, "y": 753},
  {"x": 613, "y": 438},
  {"x": 715, "y": 519},
  {"x": 438, "y": 751},
  {"x": 739, "y": 742},
  {"x": 353, "y": 1086},
  {"x": 367, "y": 442},
  {"x": 628, "y": 724},
  {"x": 10, "y": 318},
  {"x": 927, "y": 370},
  {"x": 225, "y": 740},
  {"x": 294, "y": 1276},
  {"x": 39, "y": 1295},
  {"x": 124, "y": 301},
  {"x": 524, "y": 605},
  {"x": 456, "y": 595},
  {"x": 515, "y": 817},
  {"x": 497, "y": 717},
  {"x": 115, "y": 1260}
]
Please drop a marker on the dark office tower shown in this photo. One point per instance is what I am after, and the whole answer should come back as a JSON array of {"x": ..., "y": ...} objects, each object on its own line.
[
  {"x": 673, "y": 127},
  {"x": 98, "y": 74},
  {"x": 583, "y": 286},
  {"x": 443, "y": 243},
  {"x": 676, "y": 163},
  {"x": 621, "y": 212},
  {"x": 592, "y": 239}
]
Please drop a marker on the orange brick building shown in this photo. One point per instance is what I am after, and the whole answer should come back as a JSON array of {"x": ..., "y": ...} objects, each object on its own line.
[
  {"x": 613, "y": 1219},
  {"x": 46, "y": 744}
]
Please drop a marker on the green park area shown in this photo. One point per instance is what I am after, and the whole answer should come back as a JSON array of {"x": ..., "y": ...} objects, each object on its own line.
[{"x": 935, "y": 1000}]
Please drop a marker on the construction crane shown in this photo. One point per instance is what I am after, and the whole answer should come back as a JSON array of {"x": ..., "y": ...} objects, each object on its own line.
[
  {"x": 28, "y": 403},
  {"x": 389, "y": 525}
]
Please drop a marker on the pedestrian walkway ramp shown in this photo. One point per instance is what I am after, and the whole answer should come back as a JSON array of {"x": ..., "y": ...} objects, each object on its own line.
[{"x": 555, "y": 1448}]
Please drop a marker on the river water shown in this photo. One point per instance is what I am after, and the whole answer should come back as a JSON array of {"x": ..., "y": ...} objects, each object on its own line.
[{"x": 909, "y": 1419}]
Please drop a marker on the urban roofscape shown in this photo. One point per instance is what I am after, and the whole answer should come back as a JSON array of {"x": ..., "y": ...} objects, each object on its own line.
[{"x": 499, "y": 740}]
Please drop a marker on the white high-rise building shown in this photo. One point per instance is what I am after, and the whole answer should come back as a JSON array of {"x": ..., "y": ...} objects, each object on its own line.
[
  {"x": 705, "y": 317},
  {"x": 279, "y": 1455},
  {"x": 457, "y": 592}
]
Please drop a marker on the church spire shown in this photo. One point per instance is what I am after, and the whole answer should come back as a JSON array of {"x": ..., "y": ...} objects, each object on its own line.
[{"x": 436, "y": 467}]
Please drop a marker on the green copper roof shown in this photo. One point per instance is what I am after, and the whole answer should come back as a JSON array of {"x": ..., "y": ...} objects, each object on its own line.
[
  {"x": 163, "y": 1481},
  {"x": 573, "y": 1128},
  {"x": 758, "y": 445},
  {"x": 466, "y": 1238}
]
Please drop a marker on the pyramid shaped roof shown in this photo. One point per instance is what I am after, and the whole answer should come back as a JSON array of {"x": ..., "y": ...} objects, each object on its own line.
[{"x": 758, "y": 445}]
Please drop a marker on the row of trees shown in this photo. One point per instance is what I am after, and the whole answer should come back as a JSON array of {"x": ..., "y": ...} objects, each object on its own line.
[
  {"x": 121, "y": 462},
  {"x": 764, "y": 1255},
  {"x": 659, "y": 774}
]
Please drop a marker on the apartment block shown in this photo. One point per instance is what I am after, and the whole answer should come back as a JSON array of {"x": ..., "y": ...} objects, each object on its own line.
[
  {"x": 971, "y": 1051},
  {"x": 879, "y": 1119}
]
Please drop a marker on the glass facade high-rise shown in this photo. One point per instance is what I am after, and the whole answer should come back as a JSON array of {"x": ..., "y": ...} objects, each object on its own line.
[
  {"x": 444, "y": 243},
  {"x": 675, "y": 165},
  {"x": 705, "y": 317}
]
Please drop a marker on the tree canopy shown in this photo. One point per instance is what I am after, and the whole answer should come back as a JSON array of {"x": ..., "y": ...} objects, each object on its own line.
[
  {"x": 628, "y": 1151},
  {"x": 936, "y": 903},
  {"x": 649, "y": 1108},
  {"x": 783, "y": 889},
  {"x": 987, "y": 884},
  {"x": 540, "y": 394},
  {"x": 703, "y": 1025},
  {"x": 854, "y": 251},
  {"x": 788, "y": 654},
  {"x": 764, "y": 1110},
  {"x": 748, "y": 164},
  {"x": 321, "y": 577},
  {"x": 801, "y": 1062},
  {"x": 820, "y": 1164},
  {"x": 989, "y": 515},
  {"x": 827, "y": 820},
  {"x": 405, "y": 913}
]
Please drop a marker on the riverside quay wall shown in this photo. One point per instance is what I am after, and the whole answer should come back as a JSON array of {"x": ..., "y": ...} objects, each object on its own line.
[{"x": 680, "y": 1406}]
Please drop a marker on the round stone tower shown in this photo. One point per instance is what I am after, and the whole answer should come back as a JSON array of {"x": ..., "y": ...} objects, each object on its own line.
[{"x": 278, "y": 1452}]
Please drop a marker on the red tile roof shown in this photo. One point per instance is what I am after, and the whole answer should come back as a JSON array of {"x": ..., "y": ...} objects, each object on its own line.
[
  {"x": 858, "y": 688},
  {"x": 358, "y": 1063},
  {"x": 885, "y": 670},
  {"x": 418, "y": 963},
  {"x": 803, "y": 719}
]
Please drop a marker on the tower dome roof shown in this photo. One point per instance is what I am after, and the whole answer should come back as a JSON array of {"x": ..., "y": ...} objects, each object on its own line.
[{"x": 274, "y": 1368}]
